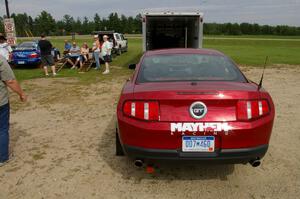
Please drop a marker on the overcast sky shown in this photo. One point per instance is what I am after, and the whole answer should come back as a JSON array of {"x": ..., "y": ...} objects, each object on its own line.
[{"x": 271, "y": 12}]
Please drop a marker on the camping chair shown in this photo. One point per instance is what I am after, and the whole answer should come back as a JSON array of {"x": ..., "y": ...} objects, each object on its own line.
[
  {"x": 61, "y": 63},
  {"x": 88, "y": 63}
]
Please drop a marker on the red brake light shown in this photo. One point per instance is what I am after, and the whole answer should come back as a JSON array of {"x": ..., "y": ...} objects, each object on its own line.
[
  {"x": 33, "y": 55},
  {"x": 144, "y": 110},
  {"x": 254, "y": 109},
  {"x": 241, "y": 110},
  {"x": 127, "y": 108},
  {"x": 153, "y": 110},
  {"x": 251, "y": 109},
  {"x": 265, "y": 107}
]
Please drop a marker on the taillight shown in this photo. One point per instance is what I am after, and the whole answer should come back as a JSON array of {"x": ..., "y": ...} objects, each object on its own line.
[
  {"x": 252, "y": 109},
  {"x": 33, "y": 55},
  {"x": 144, "y": 110}
]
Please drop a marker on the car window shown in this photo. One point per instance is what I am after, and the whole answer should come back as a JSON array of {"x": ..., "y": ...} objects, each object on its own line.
[
  {"x": 188, "y": 67},
  {"x": 117, "y": 37},
  {"x": 27, "y": 45}
]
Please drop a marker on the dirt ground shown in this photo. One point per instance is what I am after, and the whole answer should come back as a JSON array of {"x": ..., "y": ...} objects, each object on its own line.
[{"x": 62, "y": 143}]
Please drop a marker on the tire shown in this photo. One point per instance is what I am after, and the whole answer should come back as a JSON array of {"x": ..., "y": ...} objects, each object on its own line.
[
  {"x": 119, "y": 51},
  {"x": 119, "y": 149}
]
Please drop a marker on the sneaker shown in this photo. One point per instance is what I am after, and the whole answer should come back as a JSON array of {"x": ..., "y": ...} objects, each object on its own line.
[
  {"x": 96, "y": 68},
  {"x": 73, "y": 67},
  {"x": 54, "y": 74},
  {"x": 47, "y": 75},
  {"x": 105, "y": 72},
  {"x": 2, "y": 164}
]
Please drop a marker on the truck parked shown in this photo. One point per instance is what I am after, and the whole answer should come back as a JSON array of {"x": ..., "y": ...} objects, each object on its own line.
[
  {"x": 120, "y": 43},
  {"x": 172, "y": 30}
]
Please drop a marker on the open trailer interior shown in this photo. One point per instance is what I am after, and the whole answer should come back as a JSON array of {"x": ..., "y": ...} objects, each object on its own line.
[{"x": 172, "y": 30}]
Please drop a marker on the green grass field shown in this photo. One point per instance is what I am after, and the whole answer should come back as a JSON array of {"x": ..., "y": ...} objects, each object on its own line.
[{"x": 244, "y": 50}]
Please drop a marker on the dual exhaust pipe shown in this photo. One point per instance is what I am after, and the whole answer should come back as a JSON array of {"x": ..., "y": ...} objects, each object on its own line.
[
  {"x": 254, "y": 163},
  {"x": 139, "y": 163}
]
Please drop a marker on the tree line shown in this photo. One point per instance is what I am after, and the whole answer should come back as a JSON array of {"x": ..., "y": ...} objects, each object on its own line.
[
  {"x": 249, "y": 29},
  {"x": 45, "y": 23}
]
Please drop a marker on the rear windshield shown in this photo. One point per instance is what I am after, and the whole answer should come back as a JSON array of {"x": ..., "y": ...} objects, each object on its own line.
[
  {"x": 188, "y": 67},
  {"x": 27, "y": 45}
]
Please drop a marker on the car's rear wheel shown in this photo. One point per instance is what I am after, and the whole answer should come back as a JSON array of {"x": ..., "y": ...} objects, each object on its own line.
[{"x": 119, "y": 149}]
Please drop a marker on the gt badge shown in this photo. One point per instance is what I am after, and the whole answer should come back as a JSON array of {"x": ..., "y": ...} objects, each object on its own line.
[{"x": 198, "y": 110}]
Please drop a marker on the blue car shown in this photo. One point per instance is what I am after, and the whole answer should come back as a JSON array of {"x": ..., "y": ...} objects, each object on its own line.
[{"x": 28, "y": 53}]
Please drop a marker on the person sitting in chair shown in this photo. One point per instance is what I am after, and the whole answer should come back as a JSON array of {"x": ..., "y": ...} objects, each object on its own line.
[
  {"x": 74, "y": 55},
  {"x": 67, "y": 48},
  {"x": 84, "y": 50}
]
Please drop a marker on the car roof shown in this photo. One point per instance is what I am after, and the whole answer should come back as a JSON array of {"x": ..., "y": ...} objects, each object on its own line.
[{"x": 202, "y": 51}]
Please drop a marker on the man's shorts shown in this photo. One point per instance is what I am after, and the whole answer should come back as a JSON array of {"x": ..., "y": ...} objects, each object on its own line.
[
  {"x": 47, "y": 60},
  {"x": 107, "y": 58}
]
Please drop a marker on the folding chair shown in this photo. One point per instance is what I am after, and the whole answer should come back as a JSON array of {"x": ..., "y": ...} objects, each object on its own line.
[
  {"x": 61, "y": 63},
  {"x": 87, "y": 65}
]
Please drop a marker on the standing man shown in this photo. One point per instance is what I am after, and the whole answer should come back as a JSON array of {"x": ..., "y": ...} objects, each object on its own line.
[
  {"x": 47, "y": 58},
  {"x": 7, "y": 79},
  {"x": 5, "y": 49},
  {"x": 106, "y": 53}
]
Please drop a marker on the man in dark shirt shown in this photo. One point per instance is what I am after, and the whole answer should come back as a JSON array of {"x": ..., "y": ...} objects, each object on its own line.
[{"x": 47, "y": 58}]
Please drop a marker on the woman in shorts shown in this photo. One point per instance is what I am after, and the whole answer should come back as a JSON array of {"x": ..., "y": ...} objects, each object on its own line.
[
  {"x": 84, "y": 54},
  {"x": 106, "y": 53}
]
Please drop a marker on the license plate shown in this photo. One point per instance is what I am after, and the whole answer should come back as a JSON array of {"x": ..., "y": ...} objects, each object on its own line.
[
  {"x": 198, "y": 143},
  {"x": 21, "y": 62}
]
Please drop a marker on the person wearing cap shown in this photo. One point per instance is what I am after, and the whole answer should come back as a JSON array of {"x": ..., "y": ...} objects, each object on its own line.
[
  {"x": 47, "y": 57},
  {"x": 7, "y": 79},
  {"x": 96, "y": 51},
  {"x": 74, "y": 55},
  {"x": 5, "y": 49},
  {"x": 106, "y": 53}
]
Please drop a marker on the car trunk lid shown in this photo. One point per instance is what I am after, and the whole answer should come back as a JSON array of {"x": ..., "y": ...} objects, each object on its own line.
[{"x": 175, "y": 98}]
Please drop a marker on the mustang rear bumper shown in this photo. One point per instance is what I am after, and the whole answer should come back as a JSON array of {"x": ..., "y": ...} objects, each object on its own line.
[{"x": 241, "y": 155}]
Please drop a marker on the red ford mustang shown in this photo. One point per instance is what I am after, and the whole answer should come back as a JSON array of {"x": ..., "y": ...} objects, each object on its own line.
[{"x": 192, "y": 104}]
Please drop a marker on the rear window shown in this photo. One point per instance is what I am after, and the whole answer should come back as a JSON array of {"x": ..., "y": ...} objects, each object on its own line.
[
  {"x": 27, "y": 45},
  {"x": 188, "y": 67}
]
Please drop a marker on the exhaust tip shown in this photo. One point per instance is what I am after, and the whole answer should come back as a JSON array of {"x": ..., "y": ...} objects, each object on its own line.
[
  {"x": 138, "y": 163},
  {"x": 255, "y": 163}
]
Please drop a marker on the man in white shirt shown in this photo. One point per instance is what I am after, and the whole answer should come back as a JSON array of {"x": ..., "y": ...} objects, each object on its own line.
[
  {"x": 106, "y": 53},
  {"x": 74, "y": 54},
  {"x": 5, "y": 49}
]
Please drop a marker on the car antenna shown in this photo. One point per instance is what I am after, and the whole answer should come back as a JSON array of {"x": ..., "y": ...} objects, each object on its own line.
[{"x": 262, "y": 76}]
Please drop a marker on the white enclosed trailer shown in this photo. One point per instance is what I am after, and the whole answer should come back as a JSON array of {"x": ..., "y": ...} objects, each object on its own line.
[{"x": 172, "y": 30}]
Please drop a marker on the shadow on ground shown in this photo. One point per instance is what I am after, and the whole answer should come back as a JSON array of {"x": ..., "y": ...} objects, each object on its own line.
[{"x": 165, "y": 171}]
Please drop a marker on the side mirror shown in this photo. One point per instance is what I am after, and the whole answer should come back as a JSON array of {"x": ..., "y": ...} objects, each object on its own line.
[{"x": 132, "y": 66}]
